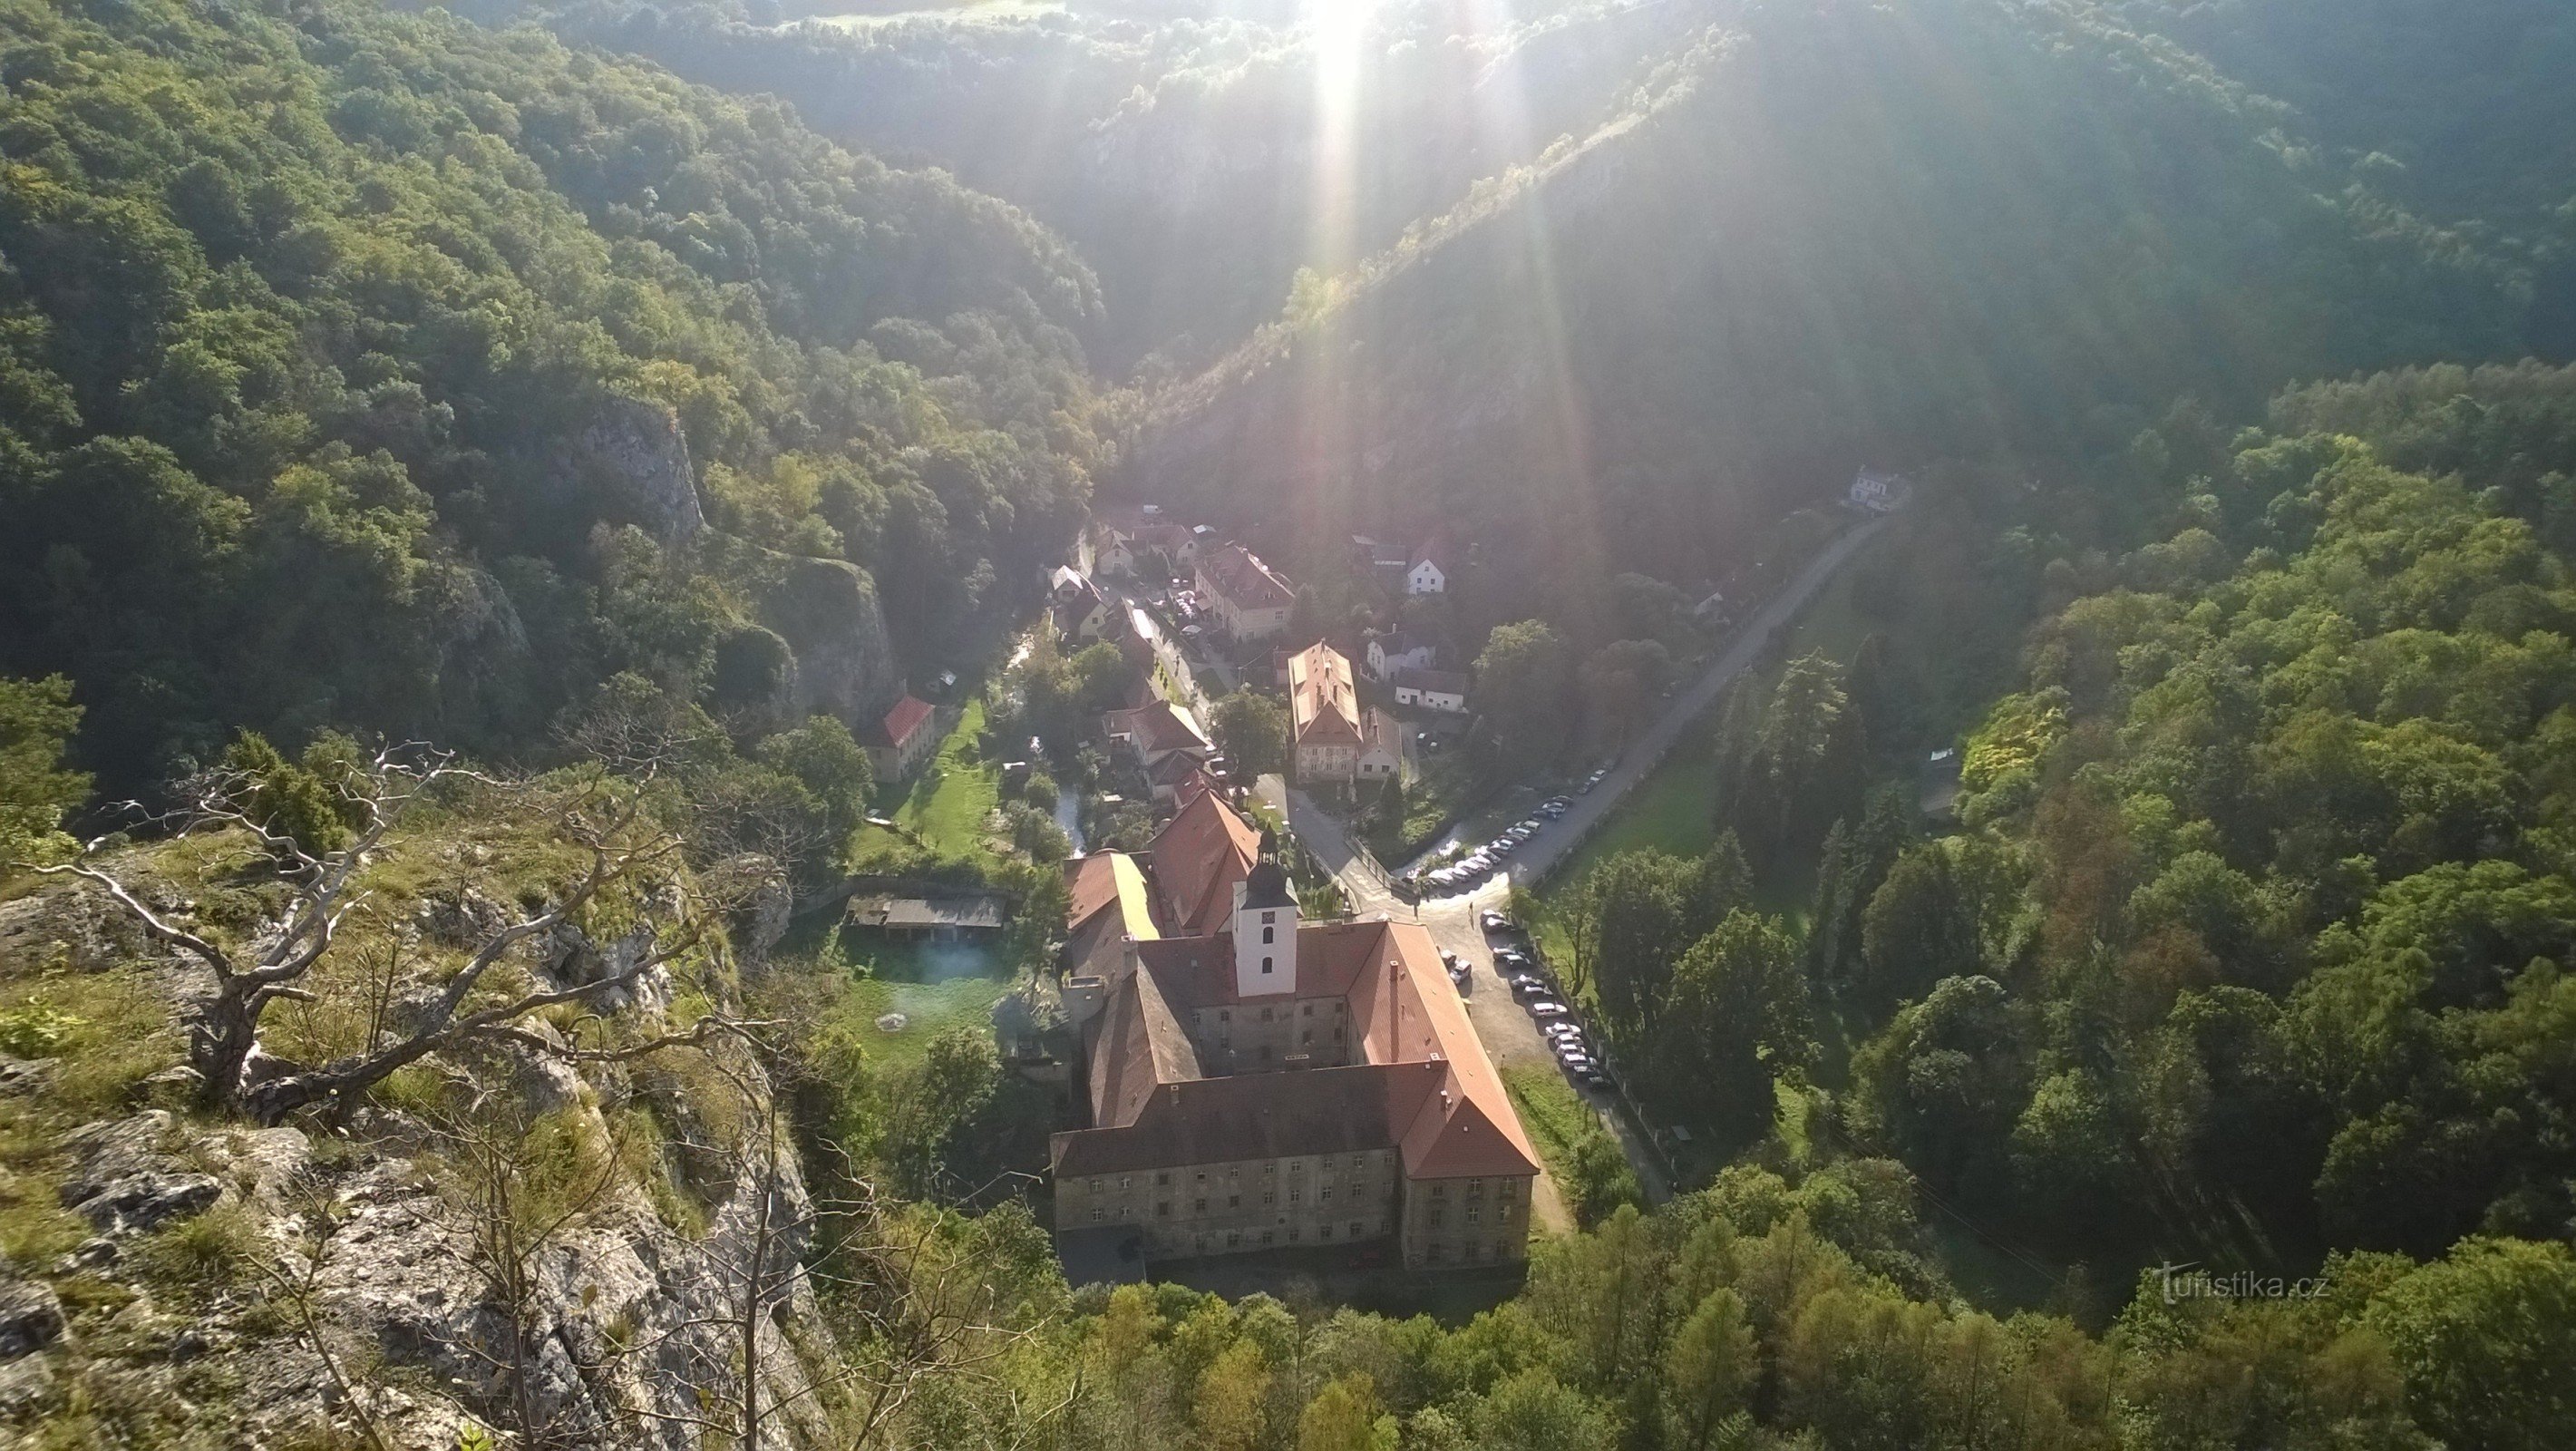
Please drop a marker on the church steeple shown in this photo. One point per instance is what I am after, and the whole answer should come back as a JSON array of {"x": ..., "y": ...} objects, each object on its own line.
[{"x": 1265, "y": 929}]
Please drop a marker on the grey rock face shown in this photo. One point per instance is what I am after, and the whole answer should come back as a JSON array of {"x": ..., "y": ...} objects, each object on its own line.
[
  {"x": 633, "y": 453},
  {"x": 826, "y": 610},
  {"x": 31, "y": 1318},
  {"x": 129, "y": 1181}
]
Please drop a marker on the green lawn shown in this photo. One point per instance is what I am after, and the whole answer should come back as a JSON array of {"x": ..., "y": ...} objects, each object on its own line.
[
  {"x": 953, "y": 796},
  {"x": 1556, "y": 1119},
  {"x": 929, "y": 1009}
]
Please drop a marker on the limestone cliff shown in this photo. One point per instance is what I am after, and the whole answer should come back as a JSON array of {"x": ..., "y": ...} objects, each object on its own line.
[
  {"x": 633, "y": 458},
  {"x": 843, "y": 660},
  {"x": 169, "y": 1276}
]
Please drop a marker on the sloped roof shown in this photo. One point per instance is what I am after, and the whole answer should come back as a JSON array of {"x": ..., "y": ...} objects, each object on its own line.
[
  {"x": 1434, "y": 549},
  {"x": 1323, "y": 701},
  {"x": 1426, "y": 1088},
  {"x": 1108, "y": 879},
  {"x": 1197, "y": 858},
  {"x": 908, "y": 715},
  {"x": 1382, "y": 732},
  {"x": 1239, "y": 575}
]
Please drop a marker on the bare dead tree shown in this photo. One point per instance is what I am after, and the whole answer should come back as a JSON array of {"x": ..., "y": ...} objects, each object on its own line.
[{"x": 602, "y": 817}]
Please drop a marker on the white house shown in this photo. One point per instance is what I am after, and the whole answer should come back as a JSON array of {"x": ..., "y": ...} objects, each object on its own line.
[
  {"x": 1428, "y": 572},
  {"x": 1393, "y": 650},
  {"x": 1381, "y": 747},
  {"x": 1880, "y": 493},
  {"x": 1431, "y": 689}
]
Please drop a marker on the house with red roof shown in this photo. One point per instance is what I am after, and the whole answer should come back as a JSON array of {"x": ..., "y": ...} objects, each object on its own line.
[{"x": 898, "y": 742}]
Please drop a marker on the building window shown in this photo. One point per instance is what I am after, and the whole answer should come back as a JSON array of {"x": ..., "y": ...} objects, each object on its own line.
[
  {"x": 1292, "y": 1234},
  {"x": 1266, "y": 1236},
  {"x": 1355, "y": 1229},
  {"x": 1327, "y": 1161},
  {"x": 1473, "y": 1213},
  {"x": 1163, "y": 1178},
  {"x": 1234, "y": 1201},
  {"x": 1269, "y": 917},
  {"x": 1269, "y": 1196},
  {"x": 1266, "y": 935},
  {"x": 1309, "y": 1010},
  {"x": 1097, "y": 1214},
  {"x": 1296, "y": 1194},
  {"x": 1163, "y": 1210},
  {"x": 1325, "y": 1194},
  {"x": 1475, "y": 1186},
  {"x": 1437, "y": 1215},
  {"x": 1270, "y": 1168},
  {"x": 1126, "y": 1181},
  {"x": 1475, "y": 1251},
  {"x": 1265, "y": 967},
  {"x": 1324, "y": 1232},
  {"x": 1095, "y": 1186},
  {"x": 1233, "y": 1238},
  {"x": 1225, "y": 1015},
  {"x": 1439, "y": 1191},
  {"x": 1199, "y": 1206}
]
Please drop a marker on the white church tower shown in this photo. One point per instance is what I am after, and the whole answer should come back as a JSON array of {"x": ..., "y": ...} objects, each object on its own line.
[{"x": 1265, "y": 932}]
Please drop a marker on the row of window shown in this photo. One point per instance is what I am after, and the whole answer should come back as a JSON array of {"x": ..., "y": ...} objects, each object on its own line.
[
  {"x": 1341, "y": 1008},
  {"x": 1324, "y": 1164},
  {"x": 1472, "y": 1252},
  {"x": 1238, "y": 1238}
]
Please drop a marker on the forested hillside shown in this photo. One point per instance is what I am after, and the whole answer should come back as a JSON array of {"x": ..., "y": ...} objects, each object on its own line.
[
  {"x": 375, "y": 370},
  {"x": 2290, "y": 790}
]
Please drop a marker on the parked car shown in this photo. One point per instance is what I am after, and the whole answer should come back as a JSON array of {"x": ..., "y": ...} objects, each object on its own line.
[
  {"x": 1526, "y": 985},
  {"x": 1493, "y": 921},
  {"x": 1547, "y": 1008},
  {"x": 1597, "y": 1076}
]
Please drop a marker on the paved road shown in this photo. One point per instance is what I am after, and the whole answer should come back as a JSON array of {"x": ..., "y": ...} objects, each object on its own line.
[{"x": 1557, "y": 839}]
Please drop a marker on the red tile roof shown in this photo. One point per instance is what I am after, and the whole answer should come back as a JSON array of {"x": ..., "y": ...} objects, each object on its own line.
[
  {"x": 1197, "y": 858},
  {"x": 909, "y": 715},
  {"x": 1323, "y": 703}
]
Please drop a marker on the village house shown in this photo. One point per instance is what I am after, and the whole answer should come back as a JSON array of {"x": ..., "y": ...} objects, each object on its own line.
[
  {"x": 1431, "y": 689},
  {"x": 1274, "y": 1084},
  {"x": 1323, "y": 716},
  {"x": 900, "y": 740},
  {"x": 1081, "y": 610},
  {"x": 1250, "y": 598},
  {"x": 1427, "y": 573},
  {"x": 1119, "y": 540},
  {"x": 1381, "y": 755},
  {"x": 1389, "y": 651},
  {"x": 1157, "y": 730}
]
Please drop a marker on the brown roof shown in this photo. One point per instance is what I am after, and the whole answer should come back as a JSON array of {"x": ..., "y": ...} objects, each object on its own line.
[
  {"x": 1323, "y": 703},
  {"x": 1197, "y": 858},
  {"x": 1427, "y": 1088},
  {"x": 1159, "y": 726},
  {"x": 1104, "y": 879},
  {"x": 1239, "y": 575},
  {"x": 1434, "y": 549}
]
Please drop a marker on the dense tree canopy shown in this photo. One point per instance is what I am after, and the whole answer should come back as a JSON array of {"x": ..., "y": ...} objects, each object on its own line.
[{"x": 376, "y": 370}]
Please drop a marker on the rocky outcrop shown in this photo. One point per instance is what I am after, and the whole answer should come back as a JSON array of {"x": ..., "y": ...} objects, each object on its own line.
[
  {"x": 129, "y": 1179},
  {"x": 31, "y": 1318},
  {"x": 826, "y": 610},
  {"x": 633, "y": 457}
]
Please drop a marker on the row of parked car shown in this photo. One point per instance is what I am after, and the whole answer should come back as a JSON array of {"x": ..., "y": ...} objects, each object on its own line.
[
  {"x": 1556, "y": 1021},
  {"x": 1485, "y": 860}
]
